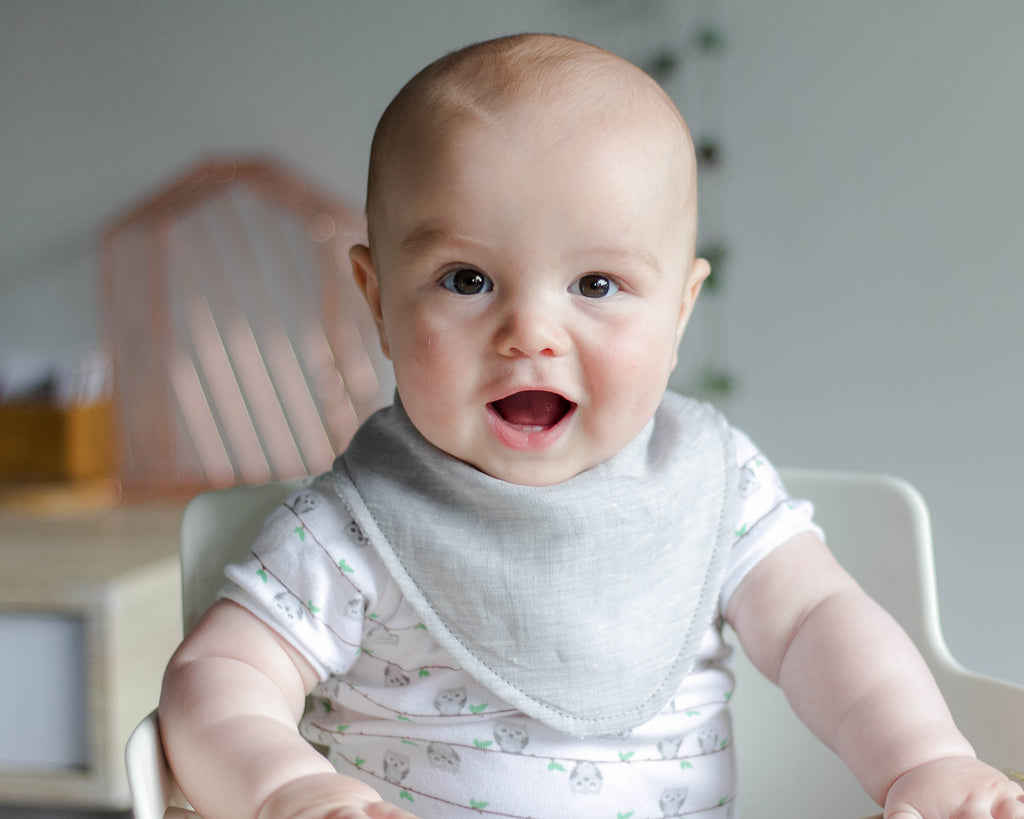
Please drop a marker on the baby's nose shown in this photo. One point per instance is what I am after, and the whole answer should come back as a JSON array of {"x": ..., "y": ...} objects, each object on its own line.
[{"x": 532, "y": 329}]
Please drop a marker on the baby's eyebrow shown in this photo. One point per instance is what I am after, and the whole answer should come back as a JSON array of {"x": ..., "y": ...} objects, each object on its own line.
[
  {"x": 629, "y": 253},
  {"x": 425, "y": 236},
  {"x": 429, "y": 235}
]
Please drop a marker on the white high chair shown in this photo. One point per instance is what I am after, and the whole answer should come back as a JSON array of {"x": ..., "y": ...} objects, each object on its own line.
[{"x": 879, "y": 530}]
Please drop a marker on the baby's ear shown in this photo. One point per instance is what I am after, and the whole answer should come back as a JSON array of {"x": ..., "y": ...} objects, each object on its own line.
[
  {"x": 365, "y": 274},
  {"x": 699, "y": 272}
]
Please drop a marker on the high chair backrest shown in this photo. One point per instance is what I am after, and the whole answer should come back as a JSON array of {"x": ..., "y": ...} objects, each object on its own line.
[
  {"x": 879, "y": 530},
  {"x": 219, "y": 528}
]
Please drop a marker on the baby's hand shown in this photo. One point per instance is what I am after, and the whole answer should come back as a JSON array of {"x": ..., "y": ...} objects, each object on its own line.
[
  {"x": 954, "y": 788},
  {"x": 329, "y": 796}
]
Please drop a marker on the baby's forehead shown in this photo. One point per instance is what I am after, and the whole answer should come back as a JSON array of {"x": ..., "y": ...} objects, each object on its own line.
[
  {"x": 637, "y": 120},
  {"x": 554, "y": 80}
]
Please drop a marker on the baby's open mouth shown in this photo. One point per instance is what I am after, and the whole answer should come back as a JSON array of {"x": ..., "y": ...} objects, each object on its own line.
[{"x": 533, "y": 410}]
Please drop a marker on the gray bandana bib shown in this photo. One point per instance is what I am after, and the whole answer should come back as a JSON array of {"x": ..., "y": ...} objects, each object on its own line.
[{"x": 581, "y": 604}]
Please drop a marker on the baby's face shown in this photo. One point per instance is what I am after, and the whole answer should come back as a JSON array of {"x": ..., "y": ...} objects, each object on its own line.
[{"x": 531, "y": 282}]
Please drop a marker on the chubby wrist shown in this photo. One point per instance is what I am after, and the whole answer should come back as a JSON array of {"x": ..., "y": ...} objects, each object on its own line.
[
  {"x": 317, "y": 795},
  {"x": 926, "y": 752},
  {"x": 954, "y": 786}
]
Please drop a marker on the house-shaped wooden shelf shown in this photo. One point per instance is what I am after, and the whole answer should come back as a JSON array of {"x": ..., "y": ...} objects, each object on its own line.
[{"x": 242, "y": 349}]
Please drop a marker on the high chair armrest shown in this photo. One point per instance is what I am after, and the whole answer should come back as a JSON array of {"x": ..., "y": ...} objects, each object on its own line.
[{"x": 155, "y": 795}]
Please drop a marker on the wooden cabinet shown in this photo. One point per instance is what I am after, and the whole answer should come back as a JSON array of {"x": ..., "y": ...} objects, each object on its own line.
[{"x": 90, "y": 612}]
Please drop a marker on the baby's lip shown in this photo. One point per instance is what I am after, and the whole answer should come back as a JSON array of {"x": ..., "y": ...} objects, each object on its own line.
[{"x": 533, "y": 410}]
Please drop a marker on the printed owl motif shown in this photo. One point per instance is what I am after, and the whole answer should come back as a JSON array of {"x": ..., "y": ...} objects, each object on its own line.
[
  {"x": 354, "y": 608},
  {"x": 443, "y": 757},
  {"x": 356, "y": 534},
  {"x": 709, "y": 740},
  {"x": 394, "y": 677},
  {"x": 669, "y": 747},
  {"x": 748, "y": 482},
  {"x": 381, "y": 634},
  {"x": 304, "y": 502},
  {"x": 290, "y": 606},
  {"x": 450, "y": 701},
  {"x": 396, "y": 767},
  {"x": 511, "y": 735},
  {"x": 672, "y": 800},
  {"x": 585, "y": 779}
]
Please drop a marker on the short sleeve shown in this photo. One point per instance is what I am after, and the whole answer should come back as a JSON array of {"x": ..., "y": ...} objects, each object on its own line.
[
  {"x": 311, "y": 578},
  {"x": 767, "y": 516}
]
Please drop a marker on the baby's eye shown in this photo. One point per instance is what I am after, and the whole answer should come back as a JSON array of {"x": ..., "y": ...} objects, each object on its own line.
[
  {"x": 594, "y": 286},
  {"x": 467, "y": 282}
]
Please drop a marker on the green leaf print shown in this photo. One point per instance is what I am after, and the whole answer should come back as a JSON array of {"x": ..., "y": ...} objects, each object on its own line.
[
  {"x": 475, "y": 805},
  {"x": 262, "y": 573},
  {"x": 742, "y": 530},
  {"x": 360, "y": 762},
  {"x": 483, "y": 744},
  {"x": 621, "y": 815},
  {"x": 478, "y": 709},
  {"x": 343, "y": 728},
  {"x": 406, "y": 795},
  {"x": 692, "y": 712},
  {"x": 410, "y": 742},
  {"x": 554, "y": 766},
  {"x": 301, "y": 532},
  {"x": 624, "y": 756},
  {"x": 686, "y": 765},
  {"x": 402, "y": 717},
  {"x": 424, "y": 672},
  {"x": 419, "y": 626},
  {"x": 345, "y": 567},
  {"x": 314, "y": 609}
]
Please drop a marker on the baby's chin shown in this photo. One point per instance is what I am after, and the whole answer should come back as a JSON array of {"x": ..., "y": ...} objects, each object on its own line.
[
  {"x": 532, "y": 469},
  {"x": 535, "y": 475}
]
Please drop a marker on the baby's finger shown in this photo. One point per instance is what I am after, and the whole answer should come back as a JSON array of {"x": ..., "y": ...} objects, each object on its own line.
[
  {"x": 382, "y": 810},
  {"x": 1010, "y": 809}
]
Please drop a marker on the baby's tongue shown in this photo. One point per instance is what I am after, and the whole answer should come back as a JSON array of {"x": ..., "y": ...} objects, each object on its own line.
[{"x": 532, "y": 408}]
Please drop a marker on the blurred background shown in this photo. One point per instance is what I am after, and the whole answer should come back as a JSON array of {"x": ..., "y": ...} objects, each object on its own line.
[{"x": 861, "y": 178}]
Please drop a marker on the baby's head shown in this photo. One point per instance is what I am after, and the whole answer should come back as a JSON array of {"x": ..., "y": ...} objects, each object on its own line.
[{"x": 532, "y": 220}]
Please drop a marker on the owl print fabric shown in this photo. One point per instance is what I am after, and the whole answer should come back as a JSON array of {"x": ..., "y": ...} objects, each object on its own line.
[{"x": 394, "y": 709}]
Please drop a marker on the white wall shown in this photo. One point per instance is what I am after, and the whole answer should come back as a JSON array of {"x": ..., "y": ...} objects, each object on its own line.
[
  {"x": 872, "y": 161},
  {"x": 875, "y": 172}
]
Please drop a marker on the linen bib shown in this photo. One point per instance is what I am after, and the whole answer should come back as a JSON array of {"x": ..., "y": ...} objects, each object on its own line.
[{"x": 581, "y": 604}]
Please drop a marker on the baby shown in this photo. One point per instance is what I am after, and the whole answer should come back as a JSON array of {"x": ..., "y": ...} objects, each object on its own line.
[{"x": 507, "y": 598}]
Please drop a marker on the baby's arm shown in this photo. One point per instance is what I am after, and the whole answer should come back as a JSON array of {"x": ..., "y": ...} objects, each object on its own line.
[
  {"x": 857, "y": 681},
  {"x": 232, "y": 696}
]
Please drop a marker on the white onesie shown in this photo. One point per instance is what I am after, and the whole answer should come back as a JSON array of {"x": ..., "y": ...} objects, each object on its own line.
[{"x": 395, "y": 710}]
